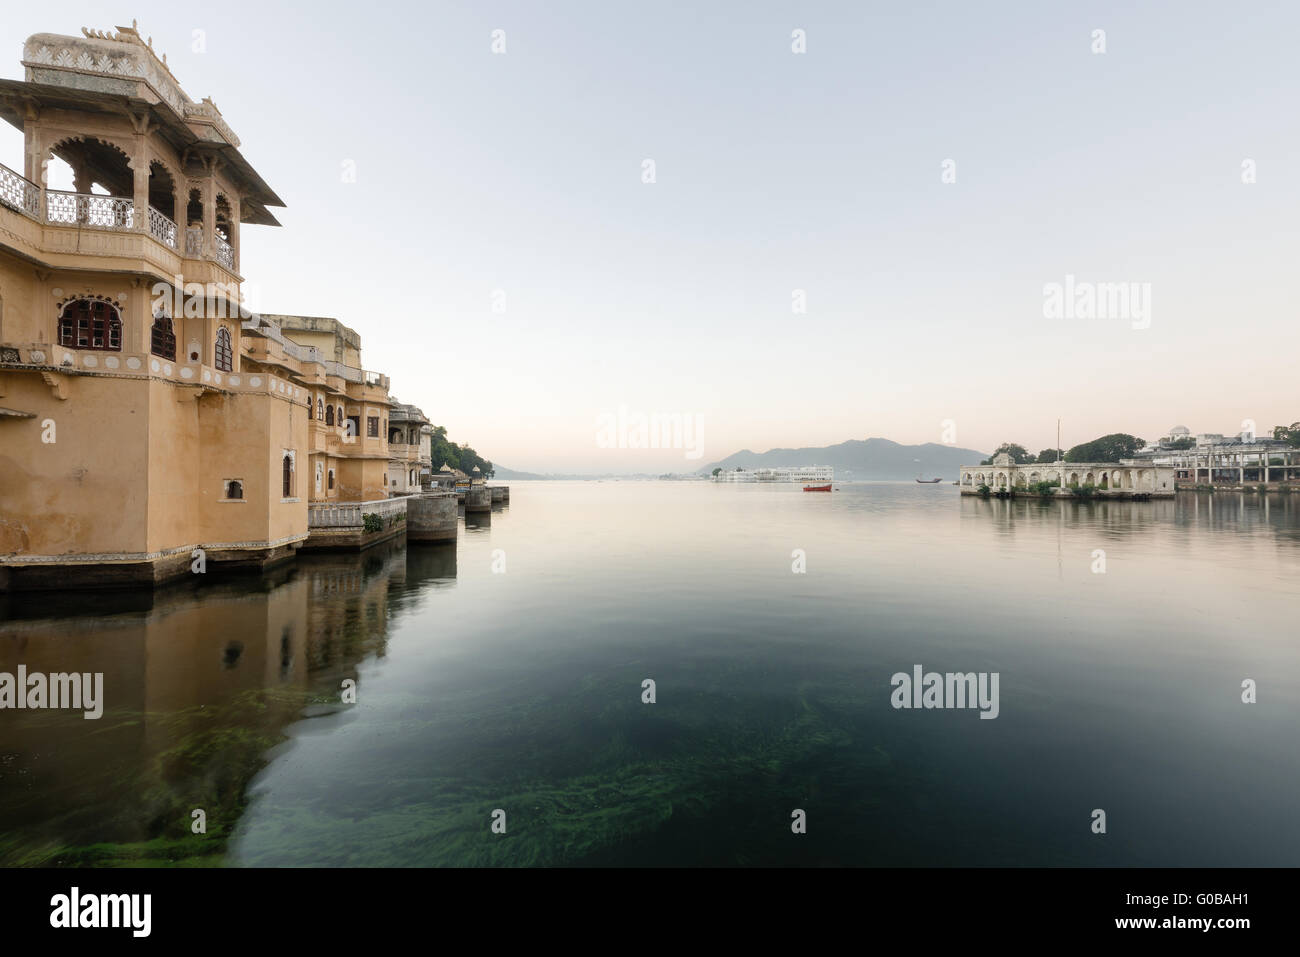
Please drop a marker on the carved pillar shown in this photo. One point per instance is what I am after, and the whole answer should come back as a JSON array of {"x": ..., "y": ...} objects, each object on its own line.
[
  {"x": 236, "y": 206},
  {"x": 82, "y": 178},
  {"x": 209, "y": 212},
  {"x": 33, "y": 168}
]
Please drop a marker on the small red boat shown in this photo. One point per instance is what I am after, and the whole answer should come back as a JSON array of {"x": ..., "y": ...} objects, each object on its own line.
[{"x": 816, "y": 488}]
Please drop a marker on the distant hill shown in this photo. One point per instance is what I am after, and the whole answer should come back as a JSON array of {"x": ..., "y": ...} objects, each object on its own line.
[
  {"x": 500, "y": 472},
  {"x": 875, "y": 459},
  {"x": 504, "y": 474}
]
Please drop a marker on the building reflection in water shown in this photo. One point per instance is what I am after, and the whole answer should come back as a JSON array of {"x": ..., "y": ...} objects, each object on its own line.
[
  {"x": 200, "y": 681},
  {"x": 1248, "y": 513}
]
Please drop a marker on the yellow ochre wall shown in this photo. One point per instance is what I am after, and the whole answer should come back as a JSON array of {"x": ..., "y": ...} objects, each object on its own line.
[{"x": 85, "y": 492}]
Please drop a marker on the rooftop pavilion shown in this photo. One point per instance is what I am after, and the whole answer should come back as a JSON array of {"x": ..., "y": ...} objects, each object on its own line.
[{"x": 145, "y": 156}]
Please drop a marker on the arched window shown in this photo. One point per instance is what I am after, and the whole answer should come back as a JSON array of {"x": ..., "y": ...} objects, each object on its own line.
[
  {"x": 320, "y": 408},
  {"x": 311, "y": 409},
  {"x": 329, "y": 415},
  {"x": 224, "y": 218},
  {"x": 340, "y": 415},
  {"x": 194, "y": 209},
  {"x": 234, "y": 489},
  {"x": 288, "y": 475},
  {"x": 90, "y": 324},
  {"x": 225, "y": 355},
  {"x": 162, "y": 339}
]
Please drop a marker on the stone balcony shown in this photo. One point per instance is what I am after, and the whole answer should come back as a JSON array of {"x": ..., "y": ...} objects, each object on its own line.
[
  {"x": 400, "y": 452},
  {"x": 46, "y": 218},
  {"x": 267, "y": 345},
  {"x": 49, "y": 357}
]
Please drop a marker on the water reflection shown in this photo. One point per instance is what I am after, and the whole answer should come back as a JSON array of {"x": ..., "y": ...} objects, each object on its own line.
[
  {"x": 200, "y": 682},
  {"x": 480, "y": 690},
  {"x": 1250, "y": 513}
]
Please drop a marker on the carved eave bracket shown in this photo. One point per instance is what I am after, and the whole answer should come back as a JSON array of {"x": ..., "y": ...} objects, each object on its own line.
[{"x": 58, "y": 384}]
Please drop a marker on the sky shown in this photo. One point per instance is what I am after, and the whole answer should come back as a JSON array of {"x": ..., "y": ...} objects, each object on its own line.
[{"x": 855, "y": 240}]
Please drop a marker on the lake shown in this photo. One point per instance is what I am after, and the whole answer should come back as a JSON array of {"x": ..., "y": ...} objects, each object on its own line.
[{"x": 505, "y": 674}]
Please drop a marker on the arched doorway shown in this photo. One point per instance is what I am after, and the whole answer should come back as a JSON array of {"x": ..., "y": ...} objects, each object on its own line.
[{"x": 90, "y": 183}]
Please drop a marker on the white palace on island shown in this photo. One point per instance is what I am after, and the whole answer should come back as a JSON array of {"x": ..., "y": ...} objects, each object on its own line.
[
  {"x": 798, "y": 473},
  {"x": 1177, "y": 460},
  {"x": 1113, "y": 479}
]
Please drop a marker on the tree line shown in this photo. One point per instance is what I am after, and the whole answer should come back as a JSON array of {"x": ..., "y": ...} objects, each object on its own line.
[
  {"x": 1116, "y": 446},
  {"x": 454, "y": 456}
]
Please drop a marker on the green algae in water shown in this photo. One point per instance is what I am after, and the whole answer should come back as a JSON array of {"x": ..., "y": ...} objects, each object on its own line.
[{"x": 217, "y": 751}]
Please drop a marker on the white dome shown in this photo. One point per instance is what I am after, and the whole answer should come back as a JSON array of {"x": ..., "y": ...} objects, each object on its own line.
[{"x": 1180, "y": 430}]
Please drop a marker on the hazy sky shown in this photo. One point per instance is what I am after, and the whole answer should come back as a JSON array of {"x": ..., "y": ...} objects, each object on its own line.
[{"x": 774, "y": 172}]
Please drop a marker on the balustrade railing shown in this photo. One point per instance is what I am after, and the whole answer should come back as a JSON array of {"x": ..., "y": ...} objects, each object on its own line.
[
  {"x": 162, "y": 228},
  {"x": 18, "y": 192},
  {"x": 90, "y": 209},
  {"x": 100, "y": 211},
  {"x": 351, "y": 514},
  {"x": 347, "y": 373},
  {"x": 225, "y": 253}
]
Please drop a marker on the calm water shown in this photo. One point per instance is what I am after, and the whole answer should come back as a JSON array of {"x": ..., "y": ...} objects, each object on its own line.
[{"x": 521, "y": 690}]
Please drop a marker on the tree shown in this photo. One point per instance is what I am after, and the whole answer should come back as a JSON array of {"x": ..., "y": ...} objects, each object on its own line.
[
  {"x": 1288, "y": 434},
  {"x": 1108, "y": 448},
  {"x": 1181, "y": 444},
  {"x": 717, "y": 470},
  {"x": 1019, "y": 455},
  {"x": 454, "y": 456},
  {"x": 441, "y": 451},
  {"x": 1047, "y": 455}
]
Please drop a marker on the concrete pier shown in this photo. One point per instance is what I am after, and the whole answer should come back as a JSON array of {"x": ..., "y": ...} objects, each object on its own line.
[
  {"x": 431, "y": 517},
  {"x": 478, "y": 499},
  {"x": 498, "y": 494},
  {"x": 505, "y": 493}
]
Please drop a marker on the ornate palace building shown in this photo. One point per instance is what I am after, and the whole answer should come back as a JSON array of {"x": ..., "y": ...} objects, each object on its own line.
[
  {"x": 410, "y": 463},
  {"x": 349, "y": 408},
  {"x": 149, "y": 425}
]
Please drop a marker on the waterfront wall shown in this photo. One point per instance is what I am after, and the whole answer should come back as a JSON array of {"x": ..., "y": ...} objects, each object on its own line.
[{"x": 431, "y": 517}]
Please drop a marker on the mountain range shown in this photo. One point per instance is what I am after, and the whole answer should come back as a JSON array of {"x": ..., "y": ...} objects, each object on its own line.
[{"x": 873, "y": 459}]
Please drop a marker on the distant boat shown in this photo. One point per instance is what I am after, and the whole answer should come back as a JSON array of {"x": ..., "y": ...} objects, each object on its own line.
[
  {"x": 921, "y": 481},
  {"x": 816, "y": 488}
]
